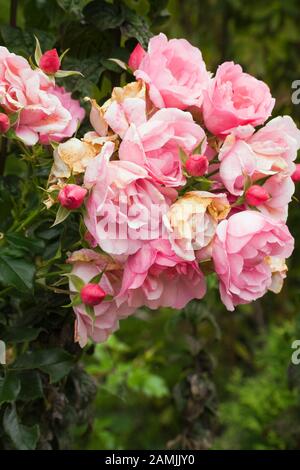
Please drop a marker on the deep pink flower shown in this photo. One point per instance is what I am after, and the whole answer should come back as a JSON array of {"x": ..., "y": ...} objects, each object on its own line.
[
  {"x": 136, "y": 57},
  {"x": 50, "y": 62},
  {"x": 296, "y": 174},
  {"x": 256, "y": 195},
  {"x": 197, "y": 165},
  {"x": 72, "y": 196},
  {"x": 4, "y": 123},
  {"x": 92, "y": 294}
]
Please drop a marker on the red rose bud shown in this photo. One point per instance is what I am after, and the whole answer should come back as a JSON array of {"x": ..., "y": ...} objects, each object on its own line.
[
  {"x": 4, "y": 123},
  {"x": 72, "y": 196},
  {"x": 50, "y": 62},
  {"x": 296, "y": 174},
  {"x": 197, "y": 165},
  {"x": 92, "y": 294},
  {"x": 256, "y": 195},
  {"x": 136, "y": 57}
]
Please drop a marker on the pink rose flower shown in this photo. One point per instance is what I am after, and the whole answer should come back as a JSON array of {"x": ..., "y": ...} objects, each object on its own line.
[
  {"x": 241, "y": 249},
  {"x": 270, "y": 150},
  {"x": 29, "y": 93},
  {"x": 155, "y": 144},
  {"x": 234, "y": 98},
  {"x": 174, "y": 72},
  {"x": 72, "y": 196},
  {"x": 4, "y": 123},
  {"x": 50, "y": 62},
  {"x": 86, "y": 265},
  {"x": 276, "y": 145},
  {"x": 156, "y": 277},
  {"x": 197, "y": 165},
  {"x": 256, "y": 195},
  {"x": 192, "y": 220},
  {"x": 76, "y": 111},
  {"x": 136, "y": 57},
  {"x": 296, "y": 173},
  {"x": 92, "y": 294},
  {"x": 280, "y": 188},
  {"x": 125, "y": 208},
  {"x": 238, "y": 164}
]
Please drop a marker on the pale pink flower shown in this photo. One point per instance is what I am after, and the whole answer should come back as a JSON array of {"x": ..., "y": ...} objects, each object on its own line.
[
  {"x": 276, "y": 144},
  {"x": 156, "y": 277},
  {"x": 86, "y": 265},
  {"x": 76, "y": 111},
  {"x": 280, "y": 188},
  {"x": 125, "y": 208},
  {"x": 155, "y": 145},
  {"x": 192, "y": 220},
  {"x": 28, "y": 93},
  {"x": 234, "y": 98},
  {"x": 174, "y": 72},
  {"x": 241, "y": 249}
]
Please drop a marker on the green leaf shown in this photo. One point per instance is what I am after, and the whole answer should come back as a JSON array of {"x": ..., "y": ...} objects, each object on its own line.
[
  {"x": 23, "y": 437},
  {"x": 72, "y": 6},
  {"x": 31, "y": 385},
  {"x": 61, "y": 215},
  {"x": 31, "y": 245},
  {"x": 120, "y": 63},
  {"x": 66, "y": 73},
  {"x": 96, "y": 279},
  {"x": 76, "y": 281},
  {"x": 10, "y": 387},
  {"x": 20, "y": 334},
  {"x": 55, "y": 362},
  {"x": 136, "y": 27},
  {"x": 38, "y": 51},
  {"x": 23, "y": 42},
  {"x": 57, "y": 371},
  {"x": 16, "y": 272},
  {"x": 103, "y": 15}
]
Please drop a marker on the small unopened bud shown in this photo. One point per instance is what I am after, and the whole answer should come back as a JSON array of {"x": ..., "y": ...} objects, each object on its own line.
[
  {"x": 296, "y": 174},
  {"x": 50, "y": 62},
  {"x": 256, "y": 195},
  {"x": 92, "y": 294},
  {"x": 72, "y": 196},
  {"x": 136, "y": 57},
  {"x": 4, "y": 123},
  {"x": 197, "y": 165}
]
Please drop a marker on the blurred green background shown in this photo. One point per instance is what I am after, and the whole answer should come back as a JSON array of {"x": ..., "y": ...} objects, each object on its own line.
[{"x": 201, "y": 378}]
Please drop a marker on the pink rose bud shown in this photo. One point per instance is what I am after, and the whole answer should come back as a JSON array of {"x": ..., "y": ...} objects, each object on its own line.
[
  {"x": 72, "y": 196},
  {"x": 296, "y": 174},
  {"x": 50, "y": 62},
  {"x": 92, "y": 294},
  {"x": 4, "y": 123},
  {"x": 197, "y": 165},
  {"x": 256, "y": 195},
  {"x": 136, "y": 57}
]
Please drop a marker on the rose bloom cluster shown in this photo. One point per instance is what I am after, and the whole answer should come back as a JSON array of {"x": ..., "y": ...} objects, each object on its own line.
[
  {"x": 183, "y": 169},
  {"x": 30, "y": 102}
]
